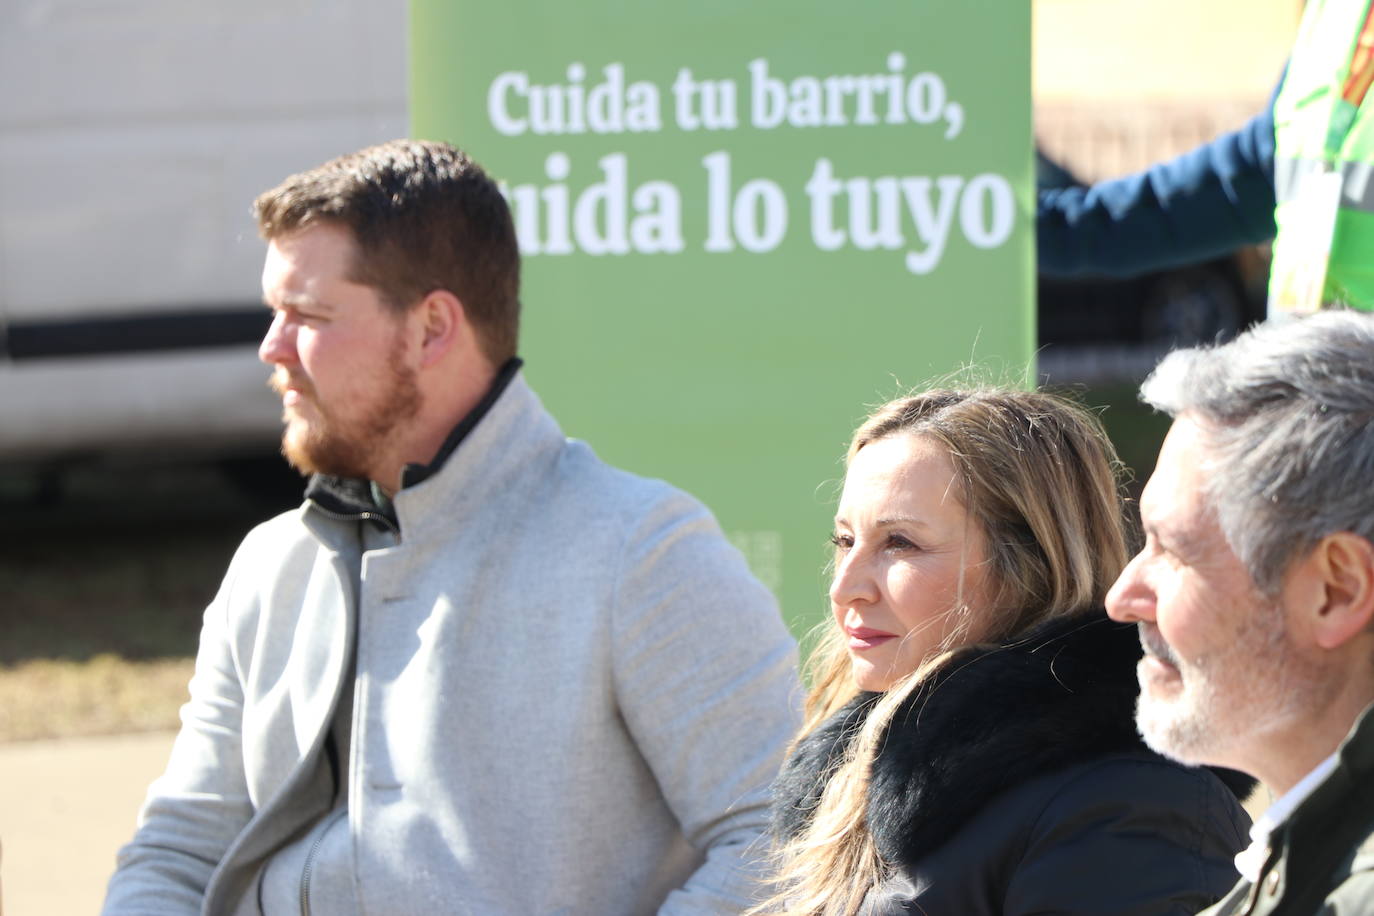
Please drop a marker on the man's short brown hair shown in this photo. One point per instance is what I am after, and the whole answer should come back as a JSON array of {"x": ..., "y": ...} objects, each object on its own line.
[{"x": 424, "y": 217}]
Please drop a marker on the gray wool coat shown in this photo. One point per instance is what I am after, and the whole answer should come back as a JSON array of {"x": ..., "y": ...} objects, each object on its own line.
[{"x": 571, "y": 696}]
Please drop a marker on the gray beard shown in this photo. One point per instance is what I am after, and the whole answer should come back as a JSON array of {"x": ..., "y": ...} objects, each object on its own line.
[{"x": 1231, "y": 698}]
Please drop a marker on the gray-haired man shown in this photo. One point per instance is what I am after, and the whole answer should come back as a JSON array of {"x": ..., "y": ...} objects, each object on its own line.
[{"x": 1255, "y": 596}]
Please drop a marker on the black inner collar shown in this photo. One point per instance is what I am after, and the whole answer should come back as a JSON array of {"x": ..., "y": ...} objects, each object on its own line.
[{"x": 353, "y": 498}]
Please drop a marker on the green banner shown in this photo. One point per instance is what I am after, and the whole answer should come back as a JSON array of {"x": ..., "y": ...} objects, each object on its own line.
[{"x": 744, "y": 223}]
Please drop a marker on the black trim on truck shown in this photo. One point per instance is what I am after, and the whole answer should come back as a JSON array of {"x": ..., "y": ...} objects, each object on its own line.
[{"x": 220, "y": 326}]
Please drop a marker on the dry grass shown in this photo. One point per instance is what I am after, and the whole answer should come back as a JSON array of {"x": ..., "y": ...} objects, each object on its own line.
[
  {"x": 49, "y": 698},
  {"x": 102, "y": 592}
]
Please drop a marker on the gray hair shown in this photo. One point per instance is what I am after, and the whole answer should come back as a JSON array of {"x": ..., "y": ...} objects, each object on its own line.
[{"x": 1289, "y": 412}]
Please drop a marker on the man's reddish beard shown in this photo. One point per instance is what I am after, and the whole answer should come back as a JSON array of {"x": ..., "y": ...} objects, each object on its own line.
[{"x": 347, "y": 446}]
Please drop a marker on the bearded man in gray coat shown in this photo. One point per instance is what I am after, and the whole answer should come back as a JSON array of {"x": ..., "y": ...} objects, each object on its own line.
[
  {"x": 1254, "y": 596},
  {"x": 478, "y": 671}
]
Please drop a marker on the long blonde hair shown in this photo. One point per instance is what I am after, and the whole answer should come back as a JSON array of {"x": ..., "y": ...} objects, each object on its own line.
[{"x": 1039, "y": 475}]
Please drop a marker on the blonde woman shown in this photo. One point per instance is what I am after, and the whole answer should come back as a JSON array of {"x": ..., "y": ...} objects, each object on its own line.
[{"x": 970, "y": 746}]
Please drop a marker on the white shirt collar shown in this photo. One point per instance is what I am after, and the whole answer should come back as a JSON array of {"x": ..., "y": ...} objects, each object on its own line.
[{"x": 1251, "y": 859}]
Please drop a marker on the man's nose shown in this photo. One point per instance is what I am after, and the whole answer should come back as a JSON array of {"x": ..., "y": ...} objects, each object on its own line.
[
  {"x": 279, "y": 343},
  {"x": 1131, "y": 599}
]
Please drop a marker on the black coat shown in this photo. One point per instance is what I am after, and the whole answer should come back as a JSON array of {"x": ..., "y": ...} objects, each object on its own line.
[{"x": 1013, "y": 782}]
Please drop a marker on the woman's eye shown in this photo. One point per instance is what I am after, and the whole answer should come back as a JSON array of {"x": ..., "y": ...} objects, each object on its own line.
[
  {"x": 898, "y": 542},
  {"x": 841, "y": 541}
]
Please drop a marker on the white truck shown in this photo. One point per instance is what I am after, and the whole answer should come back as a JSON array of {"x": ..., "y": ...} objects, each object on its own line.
[{"x": 134, "y": 135}]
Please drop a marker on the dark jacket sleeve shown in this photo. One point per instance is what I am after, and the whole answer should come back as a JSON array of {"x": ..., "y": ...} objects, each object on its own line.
[
  {"x": 1198, "y": 206},
  {"x": 1130, "y": 837}
]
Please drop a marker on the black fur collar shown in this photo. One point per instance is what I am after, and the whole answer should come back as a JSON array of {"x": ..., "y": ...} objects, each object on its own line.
[{"x": 991, "y": 718}]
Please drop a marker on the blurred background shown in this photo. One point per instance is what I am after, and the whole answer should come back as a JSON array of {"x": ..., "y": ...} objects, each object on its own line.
[{"x": 137, "y": 436}]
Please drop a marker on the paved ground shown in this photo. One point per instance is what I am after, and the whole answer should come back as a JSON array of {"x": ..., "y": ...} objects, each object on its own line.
[{"x": 66, "y": 806}]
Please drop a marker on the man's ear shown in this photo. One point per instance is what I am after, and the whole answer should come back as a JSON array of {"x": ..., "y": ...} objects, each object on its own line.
[
  {"x": 1343, "y": 567},
  {"x": 443, "y": 325}
]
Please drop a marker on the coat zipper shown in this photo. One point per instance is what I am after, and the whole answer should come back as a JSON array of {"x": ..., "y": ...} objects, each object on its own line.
[
  {"x": 355, "y": 517},
  {"x": 309, "y": 867}
]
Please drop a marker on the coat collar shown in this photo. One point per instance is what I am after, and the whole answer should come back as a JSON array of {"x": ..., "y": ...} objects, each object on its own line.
[
  {"x": 992, "y": 717},
  {"x": 418, "y": 473},
  {"x": 1334, "y": 823},
  {"x": 513, "y": 435},
  {"x": 348, "y": 497}
]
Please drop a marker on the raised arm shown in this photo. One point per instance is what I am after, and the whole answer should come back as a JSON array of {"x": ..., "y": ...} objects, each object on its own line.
[{"x": 1202, "y": 204}]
